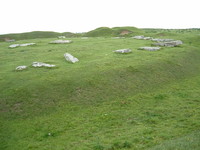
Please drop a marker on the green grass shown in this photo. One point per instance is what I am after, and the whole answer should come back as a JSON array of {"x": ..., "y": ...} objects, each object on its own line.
[
  {"x": 106, "y": 101},
  {"x": 188, "y": 142}
]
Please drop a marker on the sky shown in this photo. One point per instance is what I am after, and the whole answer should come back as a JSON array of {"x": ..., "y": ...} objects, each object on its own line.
[{"x": 84, "y": 15}]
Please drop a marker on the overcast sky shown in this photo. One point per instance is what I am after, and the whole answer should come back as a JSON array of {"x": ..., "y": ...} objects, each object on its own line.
[{"x": 84, "y": 15}]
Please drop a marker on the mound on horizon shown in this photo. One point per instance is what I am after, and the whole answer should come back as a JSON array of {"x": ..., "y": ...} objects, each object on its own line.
[{"x": 116, "y": 31}]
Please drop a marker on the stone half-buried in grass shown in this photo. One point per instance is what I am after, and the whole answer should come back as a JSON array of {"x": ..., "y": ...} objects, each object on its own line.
[
  {"x": 70, "y": 58},
  {"x": 149, "y": 48},
  {"x": 41, "y": 64},
  {"x": 21, "y": 68},
  {"x": 169, "y": 44},
  {"x": 60, "y": 42},
  {"x": 17, "y": 45},
  {"x": 123, "y": 51}
]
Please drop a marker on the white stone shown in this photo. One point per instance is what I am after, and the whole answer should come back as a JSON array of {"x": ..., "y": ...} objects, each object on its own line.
[
  {"x": 21, "y": 67},
  {"x": 41, "y": 64},
  {"x": 123, "y": 51},
  {"x": 141, "y": 37},
  {"x": 14, "y": 45},
  {"x": 147, "y": 38},
  {"x": 138, "y": 37},
  {"x": 17, "y": 45},
  {"x": 61, "y": 37},
  {"x": 60, "y": 41},
  {"x": 27, "y": 44},
  {"x": 70, "y": 58},
  {"x": 149, "y": 48}
]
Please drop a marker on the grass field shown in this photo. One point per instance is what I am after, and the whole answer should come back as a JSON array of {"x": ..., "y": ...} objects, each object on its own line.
[{"x": 106, "y": 101}]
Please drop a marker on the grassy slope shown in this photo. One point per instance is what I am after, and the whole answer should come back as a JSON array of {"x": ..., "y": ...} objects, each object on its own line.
[
  {"x": 106, "y": 101},
  {"x": 110, "y": 32},
  {"x": 36, "y": 34},
  {"x": 188, "y": 142}
]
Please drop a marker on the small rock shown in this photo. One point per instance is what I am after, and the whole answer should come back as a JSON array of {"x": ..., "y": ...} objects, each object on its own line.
[
  {"x": 138, "y": 37},
  {"x": 14, "y": 45},
  {"x": 60, "y": 41},
  {"x": 61, "y": 37},
  {"x": 149, "y": 48},
  {"x": 27, "y": 44},
  {"x": 141, "y": 37},
  {"x": 41, "y": 64},
  {"x": 147, "y": 38},
  {"x": 70, "y": 58},
  {"x": 123, "y": 51},
  {"x": 21, "y": 67}
]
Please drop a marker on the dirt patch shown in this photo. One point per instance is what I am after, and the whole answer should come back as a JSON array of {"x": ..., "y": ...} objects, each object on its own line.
[{"x": 125, "y": 32}]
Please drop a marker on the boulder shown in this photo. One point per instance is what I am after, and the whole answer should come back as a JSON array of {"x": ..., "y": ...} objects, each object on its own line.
[
  {"x": 123, "y": 51},
  {"x": 60, "y": 41},
  {"x": 41, "y": 64},
  {"x": 21, "y": 67},
  {"x": 149, "y": 48},
  {"x": 70, "y": 58},
  {"x": 169, "y": 44}
]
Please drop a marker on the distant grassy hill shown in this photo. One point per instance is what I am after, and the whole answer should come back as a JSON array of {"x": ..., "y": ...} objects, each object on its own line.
[
  {"x": 35, "y": 34},
  {"x": 116, "y": 31},
  {"x": 99, "y": 32}
]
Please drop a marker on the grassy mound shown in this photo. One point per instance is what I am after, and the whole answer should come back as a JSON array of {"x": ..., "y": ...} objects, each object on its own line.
[
  {"x": 34, "y": 35},
  {"x": 116, "y": 31},
  {"x": 105, "y": 101}
]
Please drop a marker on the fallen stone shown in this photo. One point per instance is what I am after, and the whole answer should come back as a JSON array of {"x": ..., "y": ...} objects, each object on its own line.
[
  {"x": 17, "y": 45},
  {"x": 41, "y": 64},
  {"x": 141, "y": 37},
  {"x": 149, "y": 48},
  {"x": 60, "y": 41},
  {"x": 162, "y": 40},
  {"x": 21, "y": 67},
  {"x": 70, "y": 58},
  {"x": 123, "y": 51},
  {"x": 169, "y": 44},
  {"x": 61, "y": 37},
  {"x": 27, "y": 44},
  {"x": 138, "y": 37},
  {"x": 14, "y": 45},
  {"x": 147, "y": 38}
]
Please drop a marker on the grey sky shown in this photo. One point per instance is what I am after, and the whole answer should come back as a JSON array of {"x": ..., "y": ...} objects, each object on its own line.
[{"x": 84, "y": 15}]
